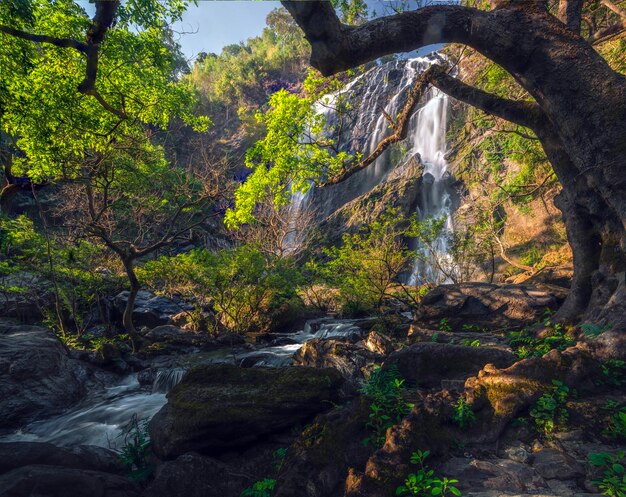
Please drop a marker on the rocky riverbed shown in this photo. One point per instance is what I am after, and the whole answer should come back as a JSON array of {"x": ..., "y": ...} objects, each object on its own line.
[{"x": 287, "y": 407}]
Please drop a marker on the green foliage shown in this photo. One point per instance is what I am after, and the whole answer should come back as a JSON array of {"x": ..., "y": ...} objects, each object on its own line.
[
  {"x": 614, "y": 371},
  {"x": 388, "y": 407},
  {"x": 136, "y": 448},
  {"x": 594, "y": 330},
  {"x": 242, "y": 286},
  {"x": 555, "y": 336},
  {"x": 550, "y": 412},
  {"x": 468, "y": 342},
  {"x": 366, "y": 266},
  {"x": 424, "y": 482},
  {"x": 292, "y": 155},
  {"x": 263, "y": 488},
  {"x": 616, "y": 427},
  {"x": 463, "y": 414},
  {"x": 444, "y": 325},
  {"x": 56, "y": 127},
  {"x": 613, "y": 481},
  {"x": 279, "y": 456}
]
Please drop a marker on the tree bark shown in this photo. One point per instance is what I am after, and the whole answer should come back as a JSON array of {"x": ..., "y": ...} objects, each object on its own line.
[
  {"x": 570, "y": 14},
  {"x": 127, "y": 318},
  {"x": 579, "y": 115}
]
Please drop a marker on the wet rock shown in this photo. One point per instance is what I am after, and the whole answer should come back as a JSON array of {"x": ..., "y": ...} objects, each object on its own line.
[
  {"x": 319, "y": 460},
  {"x": 518, "y": 453},
  {"x": 500, "y": 394},
  {"x": 54, "y": 481},
  {"x": 378, "y": 343},
  {"x": 150, "y": 310},
  {"x": 15, "y": 455},
  {"x": 555, "y": 465},
  {"x": 351, "y": 360},
  {"x": 37, "y": 377},
  {"x": 220, "y": 407},
  {"x": 192, "y": 475},
  {"x": 484, "y": 305},
  {"x": 26, "y": 305},
  {"x": 429, "y": 363},
  {"x": 170, "y": 339}
]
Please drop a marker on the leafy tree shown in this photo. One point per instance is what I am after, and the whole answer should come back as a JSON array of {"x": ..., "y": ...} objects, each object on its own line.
[{"x": 587, "y": 159}]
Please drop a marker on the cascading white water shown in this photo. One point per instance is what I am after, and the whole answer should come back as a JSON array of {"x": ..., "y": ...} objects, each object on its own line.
[
  {"x": 385, "y": 87},
  {"x": 428, "y": 136}
]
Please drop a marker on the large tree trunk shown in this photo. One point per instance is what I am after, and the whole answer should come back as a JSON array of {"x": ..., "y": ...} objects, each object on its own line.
[
  {"x": 127, "y": 318},
  {"x": 580, "y": 115}
]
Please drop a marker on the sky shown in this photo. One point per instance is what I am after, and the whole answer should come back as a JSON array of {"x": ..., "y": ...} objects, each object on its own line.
[{"x": 213, "y": 24}]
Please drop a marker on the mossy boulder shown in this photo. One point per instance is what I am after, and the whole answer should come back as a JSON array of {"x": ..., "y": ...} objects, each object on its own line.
[
  {"x": 221, "y": 407},
  {"x": 428, "y": 363}
]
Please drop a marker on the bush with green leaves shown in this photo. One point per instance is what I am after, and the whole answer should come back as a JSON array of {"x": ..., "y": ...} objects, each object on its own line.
[
  {"x": 549, "y": 412},
  {"x": 424, "y": 482},
  {"x": 388, "y": 406},
  {"x": 134, "y": 453},
  {"x": 243, "y": 287},
  {"x": 613, "y": 480},
  {"x": 614, "y": 371},
  {"x": 263, "y": 488},
  {"x": 616, "y": 427},
  {"x": 365, "y": 268},
  {"x": 463, "y": 414},
  {"x": 526, "y": 344}
]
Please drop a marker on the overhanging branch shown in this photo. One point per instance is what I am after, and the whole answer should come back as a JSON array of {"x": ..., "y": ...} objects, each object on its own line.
[{"x": 59, "y": 42}]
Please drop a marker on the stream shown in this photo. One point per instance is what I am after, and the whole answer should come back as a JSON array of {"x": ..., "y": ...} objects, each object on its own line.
[{"x": 101, "y": 416}]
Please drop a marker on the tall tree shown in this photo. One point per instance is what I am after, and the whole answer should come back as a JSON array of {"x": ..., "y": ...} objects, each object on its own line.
[{"x": 578, "y": 113}]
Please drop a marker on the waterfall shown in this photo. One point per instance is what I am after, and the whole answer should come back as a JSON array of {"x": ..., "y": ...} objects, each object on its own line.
[
  {"x": 386, "y": 87},
  {"x": 428, "y": 136},
  {"x": 166, "y": 379}
]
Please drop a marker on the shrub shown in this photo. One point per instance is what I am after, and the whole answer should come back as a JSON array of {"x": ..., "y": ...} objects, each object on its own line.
[
  {"x": 388, "y": 406},
  {"x": 136, "y": 448},
  {"x": 424, "y": 483},
  {"x": 463, "y": 414},
  {"x": 613, "y": 481},
  {"x": 263, "y": 488},
  {"x": 549, "y": 412}
]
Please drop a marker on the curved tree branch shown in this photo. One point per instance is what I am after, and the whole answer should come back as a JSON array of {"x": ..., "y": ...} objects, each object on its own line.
[
  {"x": 59, "y": 42},
  {"x": 336, "y": 46},
  {"x": 527, "y": 114},
  {"x": 570, "y": 14}
]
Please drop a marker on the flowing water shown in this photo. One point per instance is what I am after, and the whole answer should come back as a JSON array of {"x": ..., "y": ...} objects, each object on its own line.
[
  {"x": 101, "y": 416},
  {"x": 386, "y": 87}
]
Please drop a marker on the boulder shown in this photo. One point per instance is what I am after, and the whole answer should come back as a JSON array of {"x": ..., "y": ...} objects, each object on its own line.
[
  {"x": 429, "y": 363},
  {"x": 555, "y": 465},
  {"x": 484, "y": 305},
  {"x": 150, "y": 310},
  {"x": 54, "y": 481},
  {"x": 378, "y": 343},
  {"x": 319, "y": 459},
  {"x": 349, "y": 359},
  {"x": 220, "y": 407},
  {"x": 192, "y": 475},
  {"x": 37, "y": 377},
  {"x": 35, "y": 294},
  {"x": 14, "y": 455}
]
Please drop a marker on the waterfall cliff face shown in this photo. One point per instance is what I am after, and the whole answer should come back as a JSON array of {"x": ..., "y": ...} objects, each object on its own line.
[{"x": 386, "y": 87}]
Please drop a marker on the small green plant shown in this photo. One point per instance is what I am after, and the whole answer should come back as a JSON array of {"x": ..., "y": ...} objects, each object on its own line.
[
  {"x": 472, "y": 328},
  {"x": 444, "y": 325},
  {"x": 279, "y": 457},
  {"x": 616, "y": 427},
  {"x": 614, "y": 371},
  {"x": 549, "y": 412},
  {"x": 263, "y": 488},
  {"x": 134, "y": 452},
  {"x": 613, "y": 481},
  {"x": 434, "y": 337},
  {"x": 463, "y": 414},
  {"x": 424, "y": 483},
  {"x": 594, "y": 330},
  {"x": 525, "y": 344},
  {"x": 468, "y": 342},
  {"x": 388, "y": 406}
]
